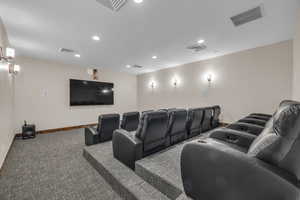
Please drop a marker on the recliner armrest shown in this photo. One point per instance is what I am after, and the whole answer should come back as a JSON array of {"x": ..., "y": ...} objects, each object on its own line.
[
  {"x": 91, "y": 136},
  {"x": 127, "y": 148},
  {"x": 239, "y": 138},
  {"x": 210, "y": 171},
  {"x": 249, "y": 128}
]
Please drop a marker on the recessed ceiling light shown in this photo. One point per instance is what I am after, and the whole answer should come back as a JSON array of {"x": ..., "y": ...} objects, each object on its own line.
[
  {"x": 77, "y": 55},
  {"x": 128, "y": 66},
  {"x": 201, "y": 41},
  {"x": 96, "y": 38},
  {"x": 138, "y": 1},
  {"x": 154, "y": 57}
]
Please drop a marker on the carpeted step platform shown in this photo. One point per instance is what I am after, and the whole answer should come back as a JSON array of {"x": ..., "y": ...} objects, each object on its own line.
[{"x": 122, "y": 179}]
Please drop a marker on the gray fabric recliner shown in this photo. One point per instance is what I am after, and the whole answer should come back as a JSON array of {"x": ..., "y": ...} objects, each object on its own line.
[{"x": 270, "y": 168}]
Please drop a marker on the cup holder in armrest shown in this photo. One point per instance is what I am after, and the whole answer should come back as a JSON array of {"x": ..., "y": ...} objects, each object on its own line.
[{"x": 232, "y": 138}]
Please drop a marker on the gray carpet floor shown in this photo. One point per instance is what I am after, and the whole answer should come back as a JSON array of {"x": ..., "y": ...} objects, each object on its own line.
[{"x": 51, "y": 167}]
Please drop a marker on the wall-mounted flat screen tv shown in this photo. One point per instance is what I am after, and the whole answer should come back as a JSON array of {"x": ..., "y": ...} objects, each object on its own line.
[{"x": 84, "y": 93}]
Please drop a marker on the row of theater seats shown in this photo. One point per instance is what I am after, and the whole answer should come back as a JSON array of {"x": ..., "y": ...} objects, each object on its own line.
[
  {"x": 160, "y": 129},
  {"x": 254, "y": 158}
]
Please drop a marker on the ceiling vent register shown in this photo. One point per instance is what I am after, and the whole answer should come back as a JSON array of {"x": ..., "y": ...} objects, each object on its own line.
[
  {"x": 65, "y": 50},
  {"x": 137, "y": 66},
  {"x": 197, "y": 47},
  {"x": 113, "y": 5},
  {"x": 248, "y": 16}
]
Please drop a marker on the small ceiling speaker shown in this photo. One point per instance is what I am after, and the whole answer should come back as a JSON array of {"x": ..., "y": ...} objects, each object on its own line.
[
  {"x": 248, "y": 16},
  {"x": 113, "y": 5}
]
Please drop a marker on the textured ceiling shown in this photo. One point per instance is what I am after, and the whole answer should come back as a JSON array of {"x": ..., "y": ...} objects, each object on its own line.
[{"x": 138, "y": 31}]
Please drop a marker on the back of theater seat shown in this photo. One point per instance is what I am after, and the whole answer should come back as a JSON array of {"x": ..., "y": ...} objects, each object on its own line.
[
  {"x": 216, "y": 114},
  {"x": 194, "y": 119},
  {"x": 177, "y": 125},
  {"x": 130, "y": 121},
  {"x": 206, "y": 121},
  {"x": 107, "y": 124},
  {"x": 152, "y": 131}
]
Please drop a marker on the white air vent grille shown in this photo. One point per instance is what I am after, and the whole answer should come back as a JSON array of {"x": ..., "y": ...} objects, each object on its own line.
[
  {"x": 197, "y": 47},
  {"x": 114, "y": 5},
  {"x": 248, "y": 16}
]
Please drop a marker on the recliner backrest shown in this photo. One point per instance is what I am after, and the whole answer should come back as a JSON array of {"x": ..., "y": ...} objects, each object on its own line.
[
  {"x": 107, "y": 124},
  {"x": 216, "y": 115},
  {"x": 130, "y": 121},
  {"x": 195, "y": 116},
  {"x": 177, "y": 121},
  {"x": 206, "y": 122},
  {"x": 279, "y": 143},
  {"x": 152, "y": 129}
]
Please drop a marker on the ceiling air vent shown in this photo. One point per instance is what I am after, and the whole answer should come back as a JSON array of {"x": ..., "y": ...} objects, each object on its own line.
[
  {"x": 113, "y": 5},
  {"x": 197, "y": 47},
  {"x": 64, "y": 50},
  {"x": 137, "y": 66},
  {"x": 248, "y": 16}
]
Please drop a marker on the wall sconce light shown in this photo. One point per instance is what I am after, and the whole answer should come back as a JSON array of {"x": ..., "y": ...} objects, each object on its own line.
[
  {"x": 175, "y": 82},
  {"x": 209, "y": 78},
  {"x": 152, "y": 85},
  {"x": 14, "y": 69}
]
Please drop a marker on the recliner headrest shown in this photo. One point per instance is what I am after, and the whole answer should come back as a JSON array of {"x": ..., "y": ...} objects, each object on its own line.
[
  {"x": 279, "y": 142},
  {"x": 286, "y": 121},
  {"x": 148, "y": 118},
  {"x": 107, "y": 116},
  {"x": 288, "y": 102}
]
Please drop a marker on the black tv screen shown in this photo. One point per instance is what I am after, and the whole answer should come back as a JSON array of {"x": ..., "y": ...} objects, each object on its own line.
[{"x": 91, "y": 93}]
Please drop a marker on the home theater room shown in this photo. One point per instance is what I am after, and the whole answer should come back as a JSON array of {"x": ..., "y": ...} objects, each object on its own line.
[{"x": 150, "y": 100}]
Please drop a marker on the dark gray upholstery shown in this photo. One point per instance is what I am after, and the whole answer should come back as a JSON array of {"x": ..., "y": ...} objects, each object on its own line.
[
  {"x": 215, "y": 122},
  {"x": 106, "y": 126},
  {"x": 250, "y": 120},
  {"x": 261, "y": 117},
  {"x": 279, "y": 144},
  {"x": 261, "y": 114},
  {"x": 206, "y": 121},
  {"x": 130, "y": 121},
  {"x": 245, "y": 127},
  {"x": 269, "y": 170},
  {"x": 150, "y": 137},
  {"x": 195, "y": 116},
  {"x": 239, "y": 138},
  {"x": 177, "y": 125}
]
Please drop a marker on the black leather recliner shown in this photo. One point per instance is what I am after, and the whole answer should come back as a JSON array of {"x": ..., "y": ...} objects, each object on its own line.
[
  {"x": 194, "y": 119},
  {"x": 206, "y": 121},
  {"x": 270, "y": 169},
  {"x": 130, "y": 121},
  {"x": 215, "y": 122},
  {"x": 107, "y": 124},
  {"x": 177, "y": 125},
  {"x": 150, "y": 137}
]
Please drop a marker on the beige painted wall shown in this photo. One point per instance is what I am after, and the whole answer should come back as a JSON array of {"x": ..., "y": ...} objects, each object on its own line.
[
  {"x": 250, "y": 81},
  {"x": 6, "y": 102},
  {"x": 296, "y": 80},
  {"x": 42, "y": 94}
]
